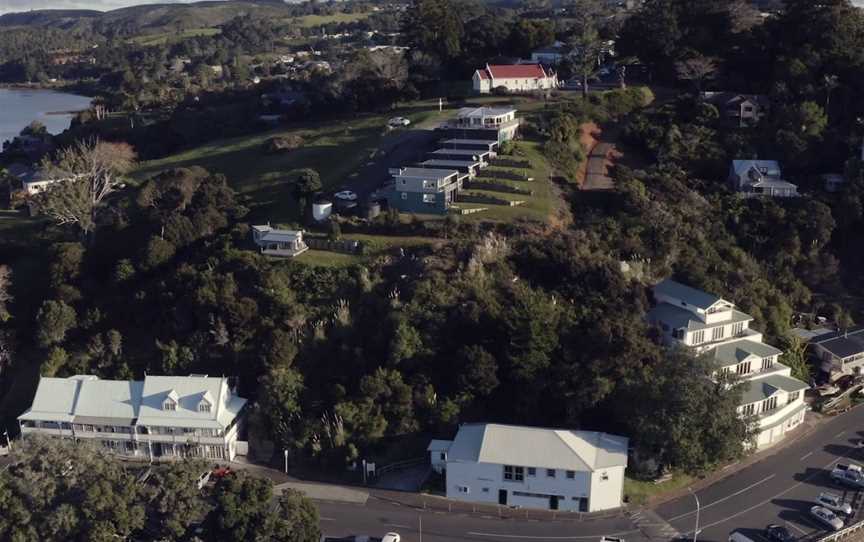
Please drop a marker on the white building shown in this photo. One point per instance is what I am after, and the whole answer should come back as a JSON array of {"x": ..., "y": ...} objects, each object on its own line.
[
  {"x": 513, "y": 78},
  {"x": 275, "y": 242},
  {"x": 497, "y": 124},
  {"x": 712, "y": 326},
  {"x": 159, "y": 417},
  {"x": 840, "y": 352},
  {"x": 532, "y": 467},
  {"x": 754, "y": 178}
]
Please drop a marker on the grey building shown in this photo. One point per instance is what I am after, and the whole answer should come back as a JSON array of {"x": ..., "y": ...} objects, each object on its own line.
[
  {"x": 424, "y": 190},
  {"x": 755, "y": 178}
]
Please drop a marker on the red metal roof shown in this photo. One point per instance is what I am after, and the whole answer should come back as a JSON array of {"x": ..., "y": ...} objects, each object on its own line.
[
  {"x": 483, "y": 74},
  {"x": 515, "y": 71}
]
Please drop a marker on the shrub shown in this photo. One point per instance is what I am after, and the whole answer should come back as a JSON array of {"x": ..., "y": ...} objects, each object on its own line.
[{"x": 283, "y": 144}]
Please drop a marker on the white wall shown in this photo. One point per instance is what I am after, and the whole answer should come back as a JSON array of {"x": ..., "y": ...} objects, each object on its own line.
[{"x": 479, "y": 476}]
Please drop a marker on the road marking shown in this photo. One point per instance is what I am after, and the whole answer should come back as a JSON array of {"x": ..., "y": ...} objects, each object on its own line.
[
  {"x": 527, "y": 537},
  {"x": 797, "y": 528},
  {"x": 840, "y": 434},
  {"x": 726, "y": 498},
  {"x": 399, "y": 525},
  {"x": 805, "y": 456},
  {"x": 322, "y": 518}
]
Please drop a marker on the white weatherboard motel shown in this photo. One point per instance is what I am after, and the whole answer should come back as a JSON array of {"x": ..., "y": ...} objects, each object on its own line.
[{"x": 532, "y": 467}]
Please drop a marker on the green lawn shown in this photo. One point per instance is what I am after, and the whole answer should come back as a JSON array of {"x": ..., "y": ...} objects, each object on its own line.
[
  {"x": 326, "y": 258},
  {"x": 159, "y": 39},
  {"x": 308, "y": 21},
  {"x": 640, "y": 492}
]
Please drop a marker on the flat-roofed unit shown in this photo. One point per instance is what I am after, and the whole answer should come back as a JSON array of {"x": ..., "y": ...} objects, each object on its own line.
[
  {"x": 458, "y": 143},
  {"x": 464, "y": 166},
  {"x": 460, "y": 154}
]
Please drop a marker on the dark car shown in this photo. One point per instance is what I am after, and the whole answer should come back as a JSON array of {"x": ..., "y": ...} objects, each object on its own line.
[{"x": 778, "y": 533}]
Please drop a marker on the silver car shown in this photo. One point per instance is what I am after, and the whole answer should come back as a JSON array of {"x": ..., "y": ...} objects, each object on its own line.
[
  {"x": 827, "y": 517},
  {"x": 835, "y": 503}
]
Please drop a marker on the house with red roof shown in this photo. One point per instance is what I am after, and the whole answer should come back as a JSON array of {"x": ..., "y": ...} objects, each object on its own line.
[{"x": 514, "y": 77}]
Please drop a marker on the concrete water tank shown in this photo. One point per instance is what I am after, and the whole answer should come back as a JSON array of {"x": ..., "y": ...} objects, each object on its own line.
[
  {"x": 321, "y": 210},
  {"x": 372, "y": 210}
]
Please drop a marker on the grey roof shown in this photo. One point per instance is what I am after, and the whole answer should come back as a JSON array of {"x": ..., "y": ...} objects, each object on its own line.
[
  {"x": 843, "y": 344},
  {"x": 538, "y": 447},
  {"x": 677, "y": 318},
  {"x": 86, "y": 399},
  {"x": 741, "y": 167},
  {"x": 485, "y": 111},
  {"x": 460, "y": 152},
  {"x": 737, "y": 351},
  {"x": 769, "y": 182},
  {"x": 809, "y": 335},
  {"x": 428, "y": 173},
  {"x": 692, "y": 296},
  {"x": 439, "y": 445},
  {"x": 735, "y": 98},
  {"x": 451, "y": 163},
  {"x": 763, "y": 388},
  {"x": 271, "y": 235}
]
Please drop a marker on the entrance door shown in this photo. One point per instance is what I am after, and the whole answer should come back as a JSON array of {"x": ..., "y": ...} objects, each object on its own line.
[
  {"x": 553, "y": 502},
  {"x": 502, "y": 496}
]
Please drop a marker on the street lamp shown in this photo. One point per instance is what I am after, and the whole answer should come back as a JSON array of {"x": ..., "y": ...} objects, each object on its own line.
[
  {"x": 285, "y": 454},
  {"x": 698, "y": 507}
]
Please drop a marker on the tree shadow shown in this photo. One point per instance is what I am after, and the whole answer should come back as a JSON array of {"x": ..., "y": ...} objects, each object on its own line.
[{"x": 818, "y": 478}]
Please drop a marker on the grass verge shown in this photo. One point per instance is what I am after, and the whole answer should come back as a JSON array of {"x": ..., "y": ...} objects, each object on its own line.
[{"x": 639, "y": 492}]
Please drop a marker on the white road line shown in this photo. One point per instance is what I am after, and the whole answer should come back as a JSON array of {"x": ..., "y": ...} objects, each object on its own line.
[
  {"x": 322, "y": 518},
  {"x": 399, "y": 525},
  {"x": 805, "y": 456},
  {"x": 528, "y": 537},
  {"x": 797, "y": 528},
  {"x": 726, "y": 498},
  {"x": 840, "y": 434}
]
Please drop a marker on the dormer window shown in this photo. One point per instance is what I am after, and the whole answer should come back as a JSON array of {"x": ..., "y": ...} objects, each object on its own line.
[
  {"x": 203, "y": 407},
  {"x": 170, "y": 401},
  {"x": 169, "y": 405},
  {"x": 205, "y": 404}
]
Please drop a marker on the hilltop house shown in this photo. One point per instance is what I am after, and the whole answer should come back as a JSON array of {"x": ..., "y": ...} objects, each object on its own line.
[
  {"x": 487, "y": 124},
  {"x": 532, "y": 467},
  {"x": 424, "y": 190},
  {"x": 712, "y": 326},
  {"x": 753, "y": 178},
  {"x": 275, "y": 242},
  {"x": 513, "y": 78},
  {"x": 841, "y": 352},
  {"x": 739, "y": 109},
  {"x": 159, "y": 417}
]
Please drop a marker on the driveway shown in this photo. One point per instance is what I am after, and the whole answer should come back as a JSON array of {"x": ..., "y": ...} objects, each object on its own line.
[
  {"x": 597, "y": 174},
  {"x": 402, "y": 148}
]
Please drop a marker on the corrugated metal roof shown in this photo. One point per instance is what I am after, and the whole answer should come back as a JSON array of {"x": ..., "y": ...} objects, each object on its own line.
[
  {"x": 538, "y": 447},
  {"x": 737, "y": 351},
  {"x": 692, "y": 296}
]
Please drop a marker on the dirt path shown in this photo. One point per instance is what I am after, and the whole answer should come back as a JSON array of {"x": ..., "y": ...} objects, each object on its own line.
[{"x": 600, "y": 159}]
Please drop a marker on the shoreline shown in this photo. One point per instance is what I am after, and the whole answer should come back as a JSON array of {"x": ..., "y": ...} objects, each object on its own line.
[{"x": 66, "y": 89}]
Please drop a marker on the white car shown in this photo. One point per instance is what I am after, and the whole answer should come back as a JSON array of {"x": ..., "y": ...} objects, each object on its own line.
[
  {"x": 346, "y": 195},
  {"x": 391, "y": 537},
  {"x": 398, "y": 121},
  {"x": 835, "y": 503},
  {"x": 827, "y": 517}
]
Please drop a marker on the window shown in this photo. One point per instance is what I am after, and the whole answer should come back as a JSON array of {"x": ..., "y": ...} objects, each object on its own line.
[
  {"x": 748, "y": 410},
  {"x": 404, "y": 195},
  {"x": 604, "y": 476},
  {"x": 485, "y": 490},
  {"x": 717, "y": 333},
  {"x": 792, "y": 397},
  {"x": 743, "y": 368},
  {"x": 769, "y": 404},
  {"x": 737, "y": 328},
  {"x": 428, "y": 198},
  {"x": 571, "y": 474},
  {"x": 767, "y": 362},
  {"x": 404, "y": 182},
  {"x": 698, "y": 336},
  {"x": 532, "y": 471},
  {"x": 519, "y": 474},
  {"x": 442, "y": 456},
  {"x": 508, "y": 473},
  {"x": 169, "y": 405},
  {"x": 550, "y": 473},
  {"x": 204, "y": 407},
  {"x": 463, "y": 489}
]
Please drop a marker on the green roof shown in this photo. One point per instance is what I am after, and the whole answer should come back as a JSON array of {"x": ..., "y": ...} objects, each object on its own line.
[{"x": 763, "y": 388}]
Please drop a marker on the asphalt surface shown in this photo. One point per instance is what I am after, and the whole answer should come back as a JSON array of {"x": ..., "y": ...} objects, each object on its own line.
[{"x": 780, "y": 488}]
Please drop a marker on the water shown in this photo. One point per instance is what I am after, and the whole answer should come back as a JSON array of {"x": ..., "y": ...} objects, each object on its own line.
[{"x": 18, "y": 108}]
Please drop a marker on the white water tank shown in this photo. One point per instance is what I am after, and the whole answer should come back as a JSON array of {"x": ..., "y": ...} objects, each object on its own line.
[{"x": 321, "y": 210}]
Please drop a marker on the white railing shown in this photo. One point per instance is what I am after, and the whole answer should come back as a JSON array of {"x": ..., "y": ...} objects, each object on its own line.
[{"x": 843, "y": 533}]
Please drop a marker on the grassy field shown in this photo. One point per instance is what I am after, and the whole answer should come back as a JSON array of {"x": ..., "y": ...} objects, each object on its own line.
[
  {"x": 640, "y": 492},
  {"x": 335, "y": 149},
  {"x": 159, "y": 39},
  {"x": 308, "y": 21}
]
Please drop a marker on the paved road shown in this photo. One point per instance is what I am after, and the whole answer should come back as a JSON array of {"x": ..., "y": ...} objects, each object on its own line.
[
  {"x": 777, "y": 489},
  {"x": 596, "y": 177}
]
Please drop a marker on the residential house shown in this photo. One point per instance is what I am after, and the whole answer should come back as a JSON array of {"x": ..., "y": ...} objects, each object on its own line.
[
  {"x": 754, "y": 178},
  {"x": 712, "y": 326},
  {"x": 463, "y": 165},
  {"x": 513, "y": 78},
  {"x": 490, "y": 146},
  {"x": 424, "y": 190},
  {"x": 833, "y": 182},
  {"x": 274, "y": 242},
  {"x": 739, "y": 109},
  {"x": 549, "y": 56},
  {"x": 159, "y": 417},
  {"x": 841, "y": 352},
  {"x": 532, "y": 467},
  {"x": 498, "y": 124},
  {"x": 474, "y": 155}
]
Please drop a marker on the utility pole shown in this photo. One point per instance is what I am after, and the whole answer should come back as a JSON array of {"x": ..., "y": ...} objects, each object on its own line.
[
  {"x": 285, "y": 454},
  {"x": 420, "y": 518},
  {"x": 698, "y": 507}
]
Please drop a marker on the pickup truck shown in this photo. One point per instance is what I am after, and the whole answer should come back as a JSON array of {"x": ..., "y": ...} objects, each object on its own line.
[{"x": 852, "y": 475}]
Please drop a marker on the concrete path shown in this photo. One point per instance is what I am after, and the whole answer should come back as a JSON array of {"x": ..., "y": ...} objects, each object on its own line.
[
  {"x": 325, "y": 492},
  {"x": 409, "y": 479}
]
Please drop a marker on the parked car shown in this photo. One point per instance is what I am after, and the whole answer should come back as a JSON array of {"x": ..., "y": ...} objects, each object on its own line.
[
  {"x": 851, "y": 475},
  {"x": 835, "y": 503},
  {"x": 827, "y": 517},
  {"x": 346, "y": 195},
  {"x": 778, "y": 533},
  {"x": 398, "y": 121},
  {"x": 738, "y": 536},
  {"x": 389, "y": 537},
  {"x": 611, "y": 539}
]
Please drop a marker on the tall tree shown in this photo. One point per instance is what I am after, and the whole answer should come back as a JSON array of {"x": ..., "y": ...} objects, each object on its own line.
[{"x": 435, "y": 27}]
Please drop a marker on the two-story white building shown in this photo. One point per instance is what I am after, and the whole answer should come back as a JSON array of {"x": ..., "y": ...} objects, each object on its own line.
[
  {"x": 533, "y": 467},
  {"x": 159, "y": 417},
  {"x": 711, "y": 326}
]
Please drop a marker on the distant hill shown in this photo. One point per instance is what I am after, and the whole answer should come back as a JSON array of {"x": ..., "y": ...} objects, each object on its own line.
[{"x": 148, "y": 18}]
